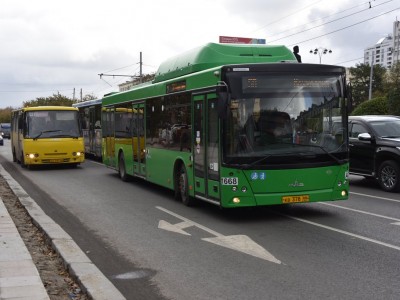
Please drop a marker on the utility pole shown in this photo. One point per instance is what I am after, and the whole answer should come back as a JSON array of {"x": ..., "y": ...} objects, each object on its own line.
[
  {"x": 371, "y": 74},
  {"x": 140, "y": 63},
  {"x": 73, "y": 95}
]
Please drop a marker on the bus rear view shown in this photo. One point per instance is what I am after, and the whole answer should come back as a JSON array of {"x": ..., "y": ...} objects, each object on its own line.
[{"x": 47, "y": 135}]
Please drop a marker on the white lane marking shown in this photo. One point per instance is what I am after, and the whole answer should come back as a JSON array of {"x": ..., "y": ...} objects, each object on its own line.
[
  {"x": 187, "y": 221},
  {"x": 364, "y": 212},
  {"x": 241, "y": 243},
  {"x": 371, "y": 196},
  {"x": 132, "y": 275},
  {"x": 343, "y": 232}
]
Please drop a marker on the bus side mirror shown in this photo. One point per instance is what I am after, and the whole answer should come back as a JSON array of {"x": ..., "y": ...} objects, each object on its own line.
[{"x": 223, "y": 104}]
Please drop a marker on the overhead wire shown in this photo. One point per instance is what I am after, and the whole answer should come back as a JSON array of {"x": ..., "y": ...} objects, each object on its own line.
[
  {"x": 332, "y": 21},
  {"x": 287, "y": 16},
  {"x": 349, "y": 26},
  {"x": 322, "y": 18}
]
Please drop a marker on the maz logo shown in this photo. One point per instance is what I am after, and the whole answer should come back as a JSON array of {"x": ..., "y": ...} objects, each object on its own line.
[{"x": 296, "y": 184}]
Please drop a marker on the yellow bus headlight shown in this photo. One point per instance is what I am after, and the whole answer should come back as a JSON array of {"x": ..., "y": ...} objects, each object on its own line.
[{"x": 32, "y": 155}]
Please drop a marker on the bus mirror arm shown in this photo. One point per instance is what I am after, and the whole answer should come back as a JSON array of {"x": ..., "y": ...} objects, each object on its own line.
[
  {"x": 223, "y": 99},
  {"x": 223, "y": 104}
]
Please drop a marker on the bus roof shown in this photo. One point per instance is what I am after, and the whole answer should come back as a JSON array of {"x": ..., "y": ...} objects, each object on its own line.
[
  {"x": 36, "y": 108},
  {"x": 212, "y": 55},
  {"x": 87, "y": 103}
]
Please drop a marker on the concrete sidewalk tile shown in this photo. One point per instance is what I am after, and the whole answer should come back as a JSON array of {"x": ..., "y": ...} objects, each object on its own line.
[
  {"x": 17, "y": 268},
  {"x": 20, "y": 281},
  {"x": 31, "y": 292},
  {"x": 12, "y": 251}
]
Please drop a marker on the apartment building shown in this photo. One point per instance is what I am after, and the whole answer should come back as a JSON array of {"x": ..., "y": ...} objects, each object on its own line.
[{"x": 386, "y": 51}]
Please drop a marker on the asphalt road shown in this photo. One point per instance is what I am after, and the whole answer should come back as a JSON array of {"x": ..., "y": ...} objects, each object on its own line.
[{"x": 152, "y": 247}]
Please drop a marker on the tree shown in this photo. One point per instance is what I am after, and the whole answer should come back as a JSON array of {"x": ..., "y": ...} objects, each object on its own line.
[
  {"x": 393, "y": 77},
  {"x": 360, "y": 81},
  {"x": 55, "y": 100},
  {"x": 376, "y": 106},
  {"x": 393, "y": 89},
  {"x": 5, "y": 114}
]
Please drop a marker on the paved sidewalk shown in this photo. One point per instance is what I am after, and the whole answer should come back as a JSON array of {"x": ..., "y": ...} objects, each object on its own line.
[{"x": 19, "y": 278}]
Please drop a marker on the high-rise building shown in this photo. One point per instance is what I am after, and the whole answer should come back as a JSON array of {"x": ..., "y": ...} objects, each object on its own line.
[
  {"x": 386, "y": 51},
  {"x": 396, "y": 41}
]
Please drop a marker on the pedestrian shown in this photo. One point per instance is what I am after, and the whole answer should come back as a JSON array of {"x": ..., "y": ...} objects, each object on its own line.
[{"x": 296, "y": 53}]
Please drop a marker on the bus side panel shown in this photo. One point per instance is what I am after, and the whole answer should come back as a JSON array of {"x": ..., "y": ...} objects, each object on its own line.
[
  {"x": 124, "y": 146},
  {"x": 160, "y": 167}
]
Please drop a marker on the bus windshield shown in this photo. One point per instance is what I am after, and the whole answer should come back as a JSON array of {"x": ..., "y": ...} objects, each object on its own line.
[
  {"x": 284, "y": 119},
  {"x": 52, "y": 124}
]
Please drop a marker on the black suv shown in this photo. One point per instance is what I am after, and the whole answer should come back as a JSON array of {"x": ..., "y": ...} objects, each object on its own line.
[{"x": 375, "y": 149}]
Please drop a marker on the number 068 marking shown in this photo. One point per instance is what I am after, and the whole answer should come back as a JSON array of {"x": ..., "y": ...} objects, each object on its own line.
[{"x": 229, "y": 181}]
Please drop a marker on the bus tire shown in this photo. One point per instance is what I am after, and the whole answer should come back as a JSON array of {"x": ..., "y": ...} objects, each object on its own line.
[
  {"x": 389, "y": 176},
  {"x": 122, "y": 169},
  {"x": 14, "y": 155},
  {"x": 22, "y": 161},
  {"x": 182, "y": 187}
]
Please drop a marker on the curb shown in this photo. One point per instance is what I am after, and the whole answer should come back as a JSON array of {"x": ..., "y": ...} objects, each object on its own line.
[{"x": 89, "y": 277}]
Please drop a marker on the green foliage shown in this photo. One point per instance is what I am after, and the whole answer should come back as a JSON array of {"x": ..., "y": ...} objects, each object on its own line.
[
  {"x": 376, "y": 106},
  {"x": 55, "y": 100},
  {"x": 393, "y": 101},
  {"x": 5, "y": 114},
  {"x": 360, "y": 81}
]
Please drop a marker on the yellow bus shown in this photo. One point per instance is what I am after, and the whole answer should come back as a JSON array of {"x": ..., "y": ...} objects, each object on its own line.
[{"x": 46, "y": 135}]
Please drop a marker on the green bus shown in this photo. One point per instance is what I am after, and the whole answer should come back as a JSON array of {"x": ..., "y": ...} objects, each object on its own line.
[{"x": 235, "y": 126}]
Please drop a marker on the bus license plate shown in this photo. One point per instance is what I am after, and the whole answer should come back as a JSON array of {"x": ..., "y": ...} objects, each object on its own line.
[
  {"x": 295, "y": 199},
  {"x": 55, "y": 160}
]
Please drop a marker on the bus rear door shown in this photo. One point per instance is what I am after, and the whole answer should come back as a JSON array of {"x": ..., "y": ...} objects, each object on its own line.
[{"x": 138, "y": 143}]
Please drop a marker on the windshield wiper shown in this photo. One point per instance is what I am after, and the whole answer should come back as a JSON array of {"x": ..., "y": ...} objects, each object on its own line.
[
  {"x": 390, "y": 136},
  {"x": 45, "y": 131},
  {"x": 323, "y": 149}
]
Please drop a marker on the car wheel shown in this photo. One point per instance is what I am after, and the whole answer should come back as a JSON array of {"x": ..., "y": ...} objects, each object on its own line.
[{"x": 389, "y": 176}]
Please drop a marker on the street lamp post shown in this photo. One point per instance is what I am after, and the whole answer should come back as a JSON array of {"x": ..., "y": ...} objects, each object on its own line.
[{"x": 320, "y": 51}]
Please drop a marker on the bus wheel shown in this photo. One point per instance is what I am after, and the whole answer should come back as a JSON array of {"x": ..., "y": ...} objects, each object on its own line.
[
  {"x": 389, "y": 176},
  {"x": 22, "y": 161},
  {"x": 121, "y": 168},
  {"x": 14, "y": 155},
  {"x": 182, "y": 187}
]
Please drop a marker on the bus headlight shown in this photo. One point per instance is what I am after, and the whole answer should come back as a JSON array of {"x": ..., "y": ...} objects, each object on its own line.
[
  {"x": 344, "y": 193},
  {"x": 77, "y": 153},
  {"x": 32, "y": 155},
  {"x": 236, "y": 200}
]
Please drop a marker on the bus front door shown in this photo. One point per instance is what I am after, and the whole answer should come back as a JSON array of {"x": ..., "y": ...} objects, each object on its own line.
[
  {"x": 138, "y": 143},
  {"x": 109, "y": 147},
  {"x": 206, "y": 148}
]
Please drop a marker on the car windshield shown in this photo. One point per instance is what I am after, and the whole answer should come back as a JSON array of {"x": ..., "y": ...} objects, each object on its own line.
[{"x": 387, "y": 128}]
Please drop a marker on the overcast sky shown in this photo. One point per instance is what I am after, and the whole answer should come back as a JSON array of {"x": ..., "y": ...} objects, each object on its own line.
[{"x": 51, "y": 46}]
